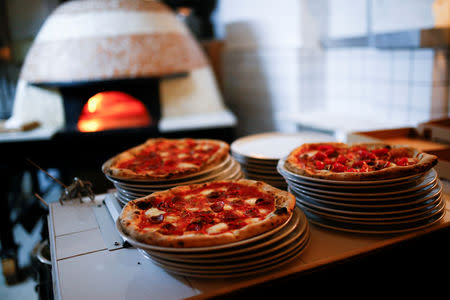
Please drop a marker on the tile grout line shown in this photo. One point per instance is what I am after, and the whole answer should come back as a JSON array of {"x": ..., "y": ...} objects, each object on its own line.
[
  {"x": 84, "y": 230},
  {"x": 81, "y": 254}
]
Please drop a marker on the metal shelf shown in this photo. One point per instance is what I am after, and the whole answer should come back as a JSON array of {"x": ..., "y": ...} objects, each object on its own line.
[{"x": 416, "y": 38}]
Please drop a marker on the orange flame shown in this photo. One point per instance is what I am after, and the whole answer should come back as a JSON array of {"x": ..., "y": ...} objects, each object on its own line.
[{"x": 112, "y": 110}]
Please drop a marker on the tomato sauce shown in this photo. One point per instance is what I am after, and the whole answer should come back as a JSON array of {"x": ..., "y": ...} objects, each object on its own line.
[
  {"x": 150, "y": 159},
  {"x": 198, "y": 212},
  {"x": 352, "y": 159}
]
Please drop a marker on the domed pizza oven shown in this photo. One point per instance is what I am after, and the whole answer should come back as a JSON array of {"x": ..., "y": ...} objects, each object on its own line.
[{"x": 102, "y": 65}]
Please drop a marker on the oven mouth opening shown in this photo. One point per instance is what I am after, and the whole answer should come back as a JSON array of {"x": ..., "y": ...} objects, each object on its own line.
[
  {"x": 113, "y": 110},
  {"x": 111, "y": 106}
]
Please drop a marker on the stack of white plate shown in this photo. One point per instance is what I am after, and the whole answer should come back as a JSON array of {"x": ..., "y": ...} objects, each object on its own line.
[
  {"x": 127, "y": 190},
  {"x": 380, "y": 206},
  {"x": 258, "y": 154},
  {"x": 247, "y": 257}
]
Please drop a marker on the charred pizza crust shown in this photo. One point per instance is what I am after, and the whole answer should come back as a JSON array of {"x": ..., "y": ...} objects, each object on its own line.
[
  {"x": 132, "y": 215},
  {"x": 112, "y": 166},
  {"x": 424, "y": 163}
]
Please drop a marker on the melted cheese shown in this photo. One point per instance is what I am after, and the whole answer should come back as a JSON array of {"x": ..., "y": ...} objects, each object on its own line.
[
  {"x": 188, "y": 197},
  {"x": 149, "y": 229},
  {"x": 227, "y": 207},
  {"x": 204, "y": 147},
  {"x": 310, "y": 154},
  {"x": 217, "y": 228},
  {"x": 153, "y": 212},
  {"x": 252, "y": 220},
  {"x": 251, "y": 201},
  {"x": 171, "y": 219},
  {"x": 233, "y": 199},
  {"x": 182, "y": 155},
  {"x": 185, "y": 165},
  {"x": 206, "y": 192}
]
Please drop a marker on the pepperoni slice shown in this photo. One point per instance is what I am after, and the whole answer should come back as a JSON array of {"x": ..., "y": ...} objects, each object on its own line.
[
  {"x": 319, "y": 156},
  {"x": 337, "y": 167},
  {"x": 194, "y": 226},
  {"x": 380, "y": 152},
  {"x": 320, "y": 165},
  {"x": 402, "y": 161},
  {"x": 217, "y": 206},
  {"x": 157, "y": 219},
  {"x": 252, "y": 212}
]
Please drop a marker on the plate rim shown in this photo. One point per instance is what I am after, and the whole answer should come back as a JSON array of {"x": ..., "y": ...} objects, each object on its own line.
[
  {"x": 375, "y": 232},
  {"x": 301, "y": 225},
  {"x": 258, "y": 136},
  {"x": 383, "y": 198},
  {"x": 438, "y": 189},
  {"x": 297, "y": 251},
  {"x": 288, "y": 246},
  {"x": 251, "y": 272},
  {"x": 419, "y": 186},
  {"x": 373, "y": 216}
]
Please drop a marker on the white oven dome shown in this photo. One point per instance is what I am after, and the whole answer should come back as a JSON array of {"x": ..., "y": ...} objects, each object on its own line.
[{"x": 111, "y": 39}]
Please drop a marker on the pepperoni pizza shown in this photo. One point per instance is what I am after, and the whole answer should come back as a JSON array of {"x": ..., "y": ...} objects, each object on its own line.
[
  {"x": 161, "y": 159},
  {"x": 207, "y": 214},
  {"x": 364, "y": 161}
]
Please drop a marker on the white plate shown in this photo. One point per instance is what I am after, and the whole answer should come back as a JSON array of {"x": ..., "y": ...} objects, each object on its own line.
[
  {"x": 260, "y": 163},
  {"x": 380, "y": 197},
  {"x": 372, "y": 229},
  {"x": 130, "y": 194},
  {"x": 430, "y": 179},
  {"x": 399, "y": 214},
  {"x": 370, "y": 205},
  {"x": 250, "y": 271},
  {"x": 244, "y": 260},
  {"x": 271, "y": 146},
  {"x": 263, "y": 177},
  {"x": 260, "y": 171}
]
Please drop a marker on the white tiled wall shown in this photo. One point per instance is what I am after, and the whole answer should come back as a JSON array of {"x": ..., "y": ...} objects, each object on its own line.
[
  {"x": 397, "y": 85},
  {"x": 347, "y": 18},
  {"x": 259, "y": 84},
  {"x": 394, "y": 88},
  {"x": 272, "y": 62},
  {"x": 269, "y": 77}
]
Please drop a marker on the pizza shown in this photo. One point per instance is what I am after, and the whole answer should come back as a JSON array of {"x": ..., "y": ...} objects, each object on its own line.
[
  {"x": 212, "y": 213},
  {"x": 364, "y": 161},
  {"x": 160, "y": 158}
]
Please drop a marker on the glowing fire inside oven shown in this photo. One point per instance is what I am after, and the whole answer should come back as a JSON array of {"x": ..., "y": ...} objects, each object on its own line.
[{"x": 113, "y": 110}]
